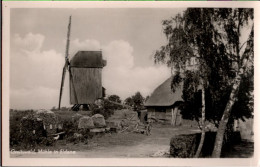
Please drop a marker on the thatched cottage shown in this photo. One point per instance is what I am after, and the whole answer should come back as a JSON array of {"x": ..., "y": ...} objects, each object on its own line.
[{"x": 163, "y": 104}]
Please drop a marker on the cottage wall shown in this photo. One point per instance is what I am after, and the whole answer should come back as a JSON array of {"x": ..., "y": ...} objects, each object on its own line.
[
  {"x": 167, "y": 115},
  {"x": 150, "y": 113}
]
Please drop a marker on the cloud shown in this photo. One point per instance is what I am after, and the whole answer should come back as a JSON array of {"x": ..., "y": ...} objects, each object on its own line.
[
  {"x": 35, "y": 98},
  {"x": 88, "y": 44},
  {"x": 30, "y": 42},
  {"x": 121, "y": 77},
  {"x": 36, "y": 73},
  {"x": 119, "y": 55}
]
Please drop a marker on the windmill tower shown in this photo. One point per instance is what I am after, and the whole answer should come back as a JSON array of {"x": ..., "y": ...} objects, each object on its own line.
[{"x": 85, "y": 75}]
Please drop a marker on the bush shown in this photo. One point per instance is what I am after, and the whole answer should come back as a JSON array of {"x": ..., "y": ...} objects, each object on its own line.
[
  {"x": 25, "y": 138},
  {"x": 46, "y": 141},
  {"x": 106, "y": 111},
  {"x": 69, "y": 128},
  {"x": 14, "y": 125},
  {"x": 75, "y": 135},
  {"x": 80, "y": 136},
  {"x": 184, "y": 146},
  {"x": 26, "y": 131}
]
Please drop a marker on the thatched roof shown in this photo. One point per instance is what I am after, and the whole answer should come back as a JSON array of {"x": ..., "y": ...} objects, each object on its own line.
[
  {"x": 163, "y": 95},
  {"x": 88, "y": 59}
]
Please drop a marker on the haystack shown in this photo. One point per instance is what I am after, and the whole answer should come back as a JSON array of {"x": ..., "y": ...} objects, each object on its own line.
[
  {"x": 99, "y": 120},
  {"x": 50, "y": 120},
  {"x": 85, "y": 122}
]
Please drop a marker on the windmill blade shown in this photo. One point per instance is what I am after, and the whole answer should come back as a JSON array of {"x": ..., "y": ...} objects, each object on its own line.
[
  {"x": 62, "y": 83},
  {"x": 66, "y": 61},
  {"x": 73, "y": 86},
  {"x": 68, "y": 41}
]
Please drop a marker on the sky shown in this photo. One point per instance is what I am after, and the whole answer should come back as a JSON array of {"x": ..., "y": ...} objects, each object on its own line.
[{"x": 128, "y": 39}]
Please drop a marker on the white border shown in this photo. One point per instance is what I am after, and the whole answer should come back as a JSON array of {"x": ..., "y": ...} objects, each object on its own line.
[{"x": 7, "y": 161}]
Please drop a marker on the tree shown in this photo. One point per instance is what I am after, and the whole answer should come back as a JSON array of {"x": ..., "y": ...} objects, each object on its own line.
[
  {"x": 180, "y": 54},
  {"x": 129, "y": 101},
  {"x": 114, "y": 102},
  {"x": 233, "y": 29},
  {"x": 138, "y": 100},
  {"x": 114, "y": 98},
  {"x": 213, "y": 38}
]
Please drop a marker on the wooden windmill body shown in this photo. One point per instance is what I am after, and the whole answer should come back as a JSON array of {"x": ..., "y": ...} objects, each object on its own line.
[
  {"x": 86, "y": 77},
  {"x": 85, "y": 71}
]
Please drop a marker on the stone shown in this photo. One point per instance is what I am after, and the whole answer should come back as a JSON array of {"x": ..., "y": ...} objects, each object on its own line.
[
  {"x": 99, "y": 120},
  {"x": 85, "y": 122}
]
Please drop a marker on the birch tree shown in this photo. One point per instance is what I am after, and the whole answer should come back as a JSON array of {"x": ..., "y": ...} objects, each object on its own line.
[
  {"x": 215, "y": 37},
  {"x": 234, "y": 21}
]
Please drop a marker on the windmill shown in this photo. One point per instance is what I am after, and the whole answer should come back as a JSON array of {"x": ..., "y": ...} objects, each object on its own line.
[{"x": 85, "y": 73}]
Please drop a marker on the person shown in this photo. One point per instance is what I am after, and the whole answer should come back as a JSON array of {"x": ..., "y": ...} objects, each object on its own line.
[{"x": 148, "y": 128}]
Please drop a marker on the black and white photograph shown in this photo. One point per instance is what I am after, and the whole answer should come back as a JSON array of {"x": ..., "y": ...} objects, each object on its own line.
[{"x": 131, "y": 82}]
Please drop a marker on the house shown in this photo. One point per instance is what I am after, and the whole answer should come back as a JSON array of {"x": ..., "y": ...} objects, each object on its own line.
[{"x": 163, "y": 104}]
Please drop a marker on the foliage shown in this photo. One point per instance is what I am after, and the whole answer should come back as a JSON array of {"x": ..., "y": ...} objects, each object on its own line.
[
  {"x": 183, "y": 146},
  {"x": 114, "y": 98},
  {"x": 213, "y": 38},
  {"x": 245, "y": 97},
  {"x": 71, "y": 129},
  {"x": 113, "y": 106},
  {"x": 136, "y": 101},
  {"x": 15, "y": 121},
  {"x": 26, "y": 140},
  {"x": 106, "y": 110},
  {"x": 129, "y": 101}
]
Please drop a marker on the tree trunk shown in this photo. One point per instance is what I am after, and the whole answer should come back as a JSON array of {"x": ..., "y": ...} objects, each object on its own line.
[
  {"x": 202, "y": 112},
  {"x": 202, "y": 123},
  {"x": 224, "y": 120},
  {"x": 225, "y": 117}
]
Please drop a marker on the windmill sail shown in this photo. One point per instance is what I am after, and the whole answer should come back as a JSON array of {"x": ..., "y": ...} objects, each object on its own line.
[{"x": 66, "y": 61}]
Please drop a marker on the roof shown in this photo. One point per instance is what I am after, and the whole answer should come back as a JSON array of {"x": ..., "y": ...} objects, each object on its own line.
[
  {"x": 163, "y": 95},
  {"x": 88, "y": 59}
]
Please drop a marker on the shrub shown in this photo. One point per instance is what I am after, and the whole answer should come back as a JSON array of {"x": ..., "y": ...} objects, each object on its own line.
[
  {"x": 14, "y": 125},
  {"x": 75, "y": 135},
  {"x": 183, "y": 146},
  {"x": 106, "y": 111}
]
